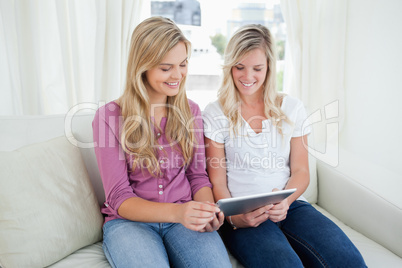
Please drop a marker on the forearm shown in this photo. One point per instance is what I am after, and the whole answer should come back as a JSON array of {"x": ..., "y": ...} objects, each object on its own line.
[
  {"x": 204, "y": 195},
  {"x": 299, "y": 180},
  {"x": 299, "y": 171},
  {"x": 141, "y": 210},
  {"x": 216, "y": 166},
  {"x": 220, "y": 192}
]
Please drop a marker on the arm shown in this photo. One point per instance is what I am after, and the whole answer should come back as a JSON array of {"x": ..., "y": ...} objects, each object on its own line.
[
  {"x": 204, "y": 195},
  {"x": 299, "y": 177},
  {"x": 195, "y": 172},
  {"x": 299, "y": 171},
  {"x": 216, "y": 166},
  {"x": 193, "y": 215}
]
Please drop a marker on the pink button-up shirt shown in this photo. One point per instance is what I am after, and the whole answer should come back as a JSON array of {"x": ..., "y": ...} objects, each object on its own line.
[{"x": 177, "y": 184}]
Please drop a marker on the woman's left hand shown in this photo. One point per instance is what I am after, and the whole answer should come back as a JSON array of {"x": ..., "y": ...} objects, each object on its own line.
[{"x": 279, "y": 211}]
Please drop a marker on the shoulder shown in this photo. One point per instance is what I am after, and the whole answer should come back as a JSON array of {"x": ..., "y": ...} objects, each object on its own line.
[
  {"x": 290, "y": 101},
  {"x": 213, "y": 108},
  {"x": 108, "y": 111},
  {"x": 291, "y": 104},
  {"x": 214, "y": 118},
  {"x": 195, "y": 109},
  {"x": 296, "y": 113}
]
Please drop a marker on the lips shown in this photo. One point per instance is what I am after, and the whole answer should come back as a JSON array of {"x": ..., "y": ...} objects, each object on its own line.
[
  {"x": 172, "y": 85},
  {"x": 247, "y": 84}
]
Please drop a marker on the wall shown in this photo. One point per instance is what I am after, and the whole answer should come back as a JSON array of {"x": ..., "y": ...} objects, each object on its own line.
[{"x": 373, "y": 84}]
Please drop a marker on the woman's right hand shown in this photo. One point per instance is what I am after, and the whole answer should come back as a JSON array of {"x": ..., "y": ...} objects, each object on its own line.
[
  {"x": 253, "y": 218},
  {"x": 196, "y": 215}
]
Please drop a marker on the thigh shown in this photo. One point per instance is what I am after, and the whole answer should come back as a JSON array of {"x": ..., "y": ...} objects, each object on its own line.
[
  {"x": 262, "y": 246},
  {"x": 187, "y": 248},
  {"x": 133, "y": 244},
  {"x": 318, "y": 241}
]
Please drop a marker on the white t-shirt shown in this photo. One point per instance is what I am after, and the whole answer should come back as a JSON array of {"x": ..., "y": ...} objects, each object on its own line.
[{"x": 256, "y": 163}]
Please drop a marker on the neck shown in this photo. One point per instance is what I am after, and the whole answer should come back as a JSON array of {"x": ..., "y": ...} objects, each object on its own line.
[
  {"x": 252, "y": 101},
  {"x": 157, "y": 104},
  {"x": 158, "y": 109},
  {"x": 157, "y": 99}
]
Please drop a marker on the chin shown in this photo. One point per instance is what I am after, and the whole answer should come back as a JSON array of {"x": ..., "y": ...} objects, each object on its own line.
[{"x": 172, "y": 93}]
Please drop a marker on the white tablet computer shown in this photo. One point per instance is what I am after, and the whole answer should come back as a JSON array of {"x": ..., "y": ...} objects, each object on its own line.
[{"x": 244, "y": 204}]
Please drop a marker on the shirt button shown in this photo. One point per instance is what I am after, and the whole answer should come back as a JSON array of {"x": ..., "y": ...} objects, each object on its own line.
[
  {"x": 158, "y": 134},
  {"x": 160, "y": 192},
  {"x": 160, "y": 148},
  {"x": 160, "y": 185},
  {"x": 161, "y": 161}
]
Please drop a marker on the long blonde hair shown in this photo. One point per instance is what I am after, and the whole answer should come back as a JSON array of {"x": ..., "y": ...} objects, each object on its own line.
[
  {"x": 244, "y": 40},
  {"x": 151, "y": 40}
]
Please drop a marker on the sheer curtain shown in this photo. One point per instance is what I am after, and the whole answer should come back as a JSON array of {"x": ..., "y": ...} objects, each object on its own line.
[
  {"x": 56, "y": 54},
  {"x": 315, "y": 64}
]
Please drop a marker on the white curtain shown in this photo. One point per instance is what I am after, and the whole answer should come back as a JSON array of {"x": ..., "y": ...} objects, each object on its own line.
[
  {"x": 315, "y": 62},
  {"x": 57, "y": 54}
]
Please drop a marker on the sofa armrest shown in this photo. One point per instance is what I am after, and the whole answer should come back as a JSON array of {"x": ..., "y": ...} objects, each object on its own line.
[{"x": 354, "y": 199}]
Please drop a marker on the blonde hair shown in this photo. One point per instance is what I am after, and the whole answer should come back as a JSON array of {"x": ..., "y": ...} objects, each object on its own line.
[
  {"x": 244, "y": 40},
  {"x": 151, "y": 40}
]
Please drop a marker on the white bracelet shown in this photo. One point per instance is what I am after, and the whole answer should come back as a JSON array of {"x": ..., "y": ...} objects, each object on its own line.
[{"x": 231, "y": 223}]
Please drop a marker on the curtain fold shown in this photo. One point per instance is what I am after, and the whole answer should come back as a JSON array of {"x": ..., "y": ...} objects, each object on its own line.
[
  {"x": 57, "y": 54},
  {"x": 315, "y": 55}
]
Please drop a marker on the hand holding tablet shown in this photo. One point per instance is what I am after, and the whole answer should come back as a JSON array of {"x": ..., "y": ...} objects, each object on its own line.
[{"x": 240, "y": 205}]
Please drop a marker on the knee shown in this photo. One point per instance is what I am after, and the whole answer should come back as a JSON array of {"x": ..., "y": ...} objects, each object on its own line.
[
  {"x": 348, "y": 256},
  {"x": 351, "y": 257}
]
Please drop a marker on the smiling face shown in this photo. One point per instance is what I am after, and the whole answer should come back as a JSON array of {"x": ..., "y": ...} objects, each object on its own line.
[
  {"x": 250, "y": 72},
  {"x": 164, "y": 80}
]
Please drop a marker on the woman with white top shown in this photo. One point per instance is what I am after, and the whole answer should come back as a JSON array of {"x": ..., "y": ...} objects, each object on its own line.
[{"x": 256, "y": 143}]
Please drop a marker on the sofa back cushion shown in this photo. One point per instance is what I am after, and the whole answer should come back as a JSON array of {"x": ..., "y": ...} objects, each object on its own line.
[
  {"x": 18, "y": 131},
  {"x": 48, "y": 208}
]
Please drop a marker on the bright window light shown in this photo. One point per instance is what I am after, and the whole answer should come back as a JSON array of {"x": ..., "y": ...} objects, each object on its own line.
[{"x": 209, "y": 25}]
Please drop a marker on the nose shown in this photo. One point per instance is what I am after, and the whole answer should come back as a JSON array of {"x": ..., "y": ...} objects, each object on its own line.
[
  {"x": 248, "y": 74},
  {"x": 176, "y": 74}
]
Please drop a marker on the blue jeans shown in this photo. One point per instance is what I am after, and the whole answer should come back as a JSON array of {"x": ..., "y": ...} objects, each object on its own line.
[
  {"x": 305, "y": 238},
  {"x": 138, "y": 244}
]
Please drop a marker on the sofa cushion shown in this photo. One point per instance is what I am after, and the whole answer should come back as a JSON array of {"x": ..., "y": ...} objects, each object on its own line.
[
  {"x": 374, "y": 254},
  {"x": 360, "y": 186},
  {"x": 48, "y": 208},
  {"x": 90, "y": 256}
]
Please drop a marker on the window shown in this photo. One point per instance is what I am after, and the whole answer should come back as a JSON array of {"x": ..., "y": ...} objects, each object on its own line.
[{"x": 209, "y": 25}]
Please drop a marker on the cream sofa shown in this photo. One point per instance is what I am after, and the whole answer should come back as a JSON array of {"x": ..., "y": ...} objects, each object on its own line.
[{"x": 54, "y": 220}]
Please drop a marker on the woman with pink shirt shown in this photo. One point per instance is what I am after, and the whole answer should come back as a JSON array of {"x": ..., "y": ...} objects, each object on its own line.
[{"x": 159, "y": 208}]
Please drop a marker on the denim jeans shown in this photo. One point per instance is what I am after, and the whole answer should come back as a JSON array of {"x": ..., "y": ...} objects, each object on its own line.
[
  {"x": 305, "y": 238},
  {"x": 137, "y": 244}
]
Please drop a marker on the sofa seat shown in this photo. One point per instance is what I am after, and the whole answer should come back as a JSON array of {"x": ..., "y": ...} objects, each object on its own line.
[
  {"x": 89, "y": 256},
  {"x": 373, "y": 253}
]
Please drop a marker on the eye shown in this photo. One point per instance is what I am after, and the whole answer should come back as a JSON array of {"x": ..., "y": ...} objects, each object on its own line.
[
  {"x": 183, "y": 65},
  {"x": 239, "y": 68},
  {"x": 165, "y": 70},
  {"x": 257, "y": 70}
]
